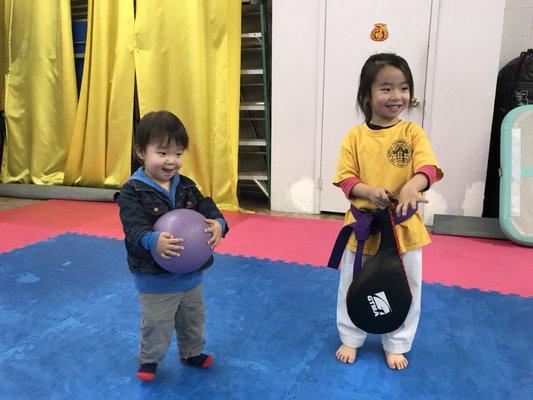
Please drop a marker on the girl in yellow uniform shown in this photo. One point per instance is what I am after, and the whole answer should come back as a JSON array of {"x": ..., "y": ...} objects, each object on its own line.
[{"x": 382, "y": 159}]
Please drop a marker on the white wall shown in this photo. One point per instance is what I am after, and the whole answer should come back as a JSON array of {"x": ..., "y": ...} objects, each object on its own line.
[
  {"x": 463, "y": 77},
  {"x": 517, "y": 29},
  {"x": 465, "y": 73},
  {"x": 295, "y": 59}
]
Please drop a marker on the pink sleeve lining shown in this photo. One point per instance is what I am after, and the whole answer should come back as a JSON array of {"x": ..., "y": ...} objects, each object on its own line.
[
  {"x": 431, "y": 172},
  {"x": 347, "y": 185}
]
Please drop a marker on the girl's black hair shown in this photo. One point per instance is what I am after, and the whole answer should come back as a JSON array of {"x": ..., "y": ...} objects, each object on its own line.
[
  {"x": 370, "y": 71},
  {"x": 161, "y": 127}
]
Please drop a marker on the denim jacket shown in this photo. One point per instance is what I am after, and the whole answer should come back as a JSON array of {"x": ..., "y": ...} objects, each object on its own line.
[{"x": 141, "y": 206}]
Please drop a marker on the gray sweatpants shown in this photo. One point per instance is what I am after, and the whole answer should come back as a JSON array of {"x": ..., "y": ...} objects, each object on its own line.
[
  {"x": 399, "y": 341},
  {"x": 164, "y": 312}
]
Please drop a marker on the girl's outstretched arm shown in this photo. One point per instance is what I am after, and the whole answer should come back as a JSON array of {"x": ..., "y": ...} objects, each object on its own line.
[{"x": 410, "y": 195}]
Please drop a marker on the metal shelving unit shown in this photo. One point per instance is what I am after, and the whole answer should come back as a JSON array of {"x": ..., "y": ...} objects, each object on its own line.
[{"x": 254, "y": 121}]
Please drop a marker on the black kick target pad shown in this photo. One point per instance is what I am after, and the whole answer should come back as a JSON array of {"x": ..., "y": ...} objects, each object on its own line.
[{"x": 379, "y": 297}]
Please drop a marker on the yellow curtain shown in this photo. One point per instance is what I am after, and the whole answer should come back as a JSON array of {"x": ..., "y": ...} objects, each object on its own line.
[
  {"x": 40, "y": 93},
  {"x": 100, "y": 150},
  {"x": 3, "y": 47},
  {"x": 187, "y": 59}
]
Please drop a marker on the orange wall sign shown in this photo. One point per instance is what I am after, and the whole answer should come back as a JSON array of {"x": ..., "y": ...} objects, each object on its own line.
[{"x": 379, "y": 33}]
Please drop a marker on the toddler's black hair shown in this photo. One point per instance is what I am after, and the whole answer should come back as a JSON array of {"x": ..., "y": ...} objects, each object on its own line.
[{"x": 161, "y": 127}]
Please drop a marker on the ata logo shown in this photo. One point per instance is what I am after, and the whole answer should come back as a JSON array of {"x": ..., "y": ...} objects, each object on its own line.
[
  {"x": 521, "y": 97},
  {"x": 379, "y": 33},
  {"x": 379, "y": 303}
]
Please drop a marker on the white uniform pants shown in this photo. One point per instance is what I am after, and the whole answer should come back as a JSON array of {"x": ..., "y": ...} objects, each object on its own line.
[{"x": 400, "y": 340}]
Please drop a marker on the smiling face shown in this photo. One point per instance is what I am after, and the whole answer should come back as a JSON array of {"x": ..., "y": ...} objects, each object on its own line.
[
  {"x": 389, "y": 96},
  {"x": 161, "y": 162}
]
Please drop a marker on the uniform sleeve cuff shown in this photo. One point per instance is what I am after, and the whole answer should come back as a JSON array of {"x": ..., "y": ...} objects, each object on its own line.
[
  {"x": 431, "y": 173},
  {"x": 347, "y": 185}
]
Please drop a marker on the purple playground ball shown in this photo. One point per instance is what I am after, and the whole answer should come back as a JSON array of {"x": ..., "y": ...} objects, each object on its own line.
[{"x": 188, "y": 225}]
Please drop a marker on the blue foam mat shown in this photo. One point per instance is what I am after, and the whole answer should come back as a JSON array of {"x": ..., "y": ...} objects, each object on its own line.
[{"x": 69, "y": 319}]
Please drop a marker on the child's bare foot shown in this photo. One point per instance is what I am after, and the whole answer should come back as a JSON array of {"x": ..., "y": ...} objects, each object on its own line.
[
  {"x": 346, "y": 354},
  {"x": 396, "y": 361}
]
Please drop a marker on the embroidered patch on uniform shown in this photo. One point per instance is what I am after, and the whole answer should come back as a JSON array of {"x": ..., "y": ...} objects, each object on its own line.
[{"x": 399, "y": 153}]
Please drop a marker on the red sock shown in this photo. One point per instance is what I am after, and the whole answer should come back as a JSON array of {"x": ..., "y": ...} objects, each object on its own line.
[
  {"x": 146, "y": 372},
  {"x": 200, "y": 361}
]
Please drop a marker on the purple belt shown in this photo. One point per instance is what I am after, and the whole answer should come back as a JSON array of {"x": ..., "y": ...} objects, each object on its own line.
[{"x": 365, "y": 225}]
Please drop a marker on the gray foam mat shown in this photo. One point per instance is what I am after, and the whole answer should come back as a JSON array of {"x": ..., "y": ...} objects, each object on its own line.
[{"x": 460, "y": 225}]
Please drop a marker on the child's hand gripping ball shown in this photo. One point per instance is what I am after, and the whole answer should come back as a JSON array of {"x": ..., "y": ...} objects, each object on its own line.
[{"x": 190, "y": 226}]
